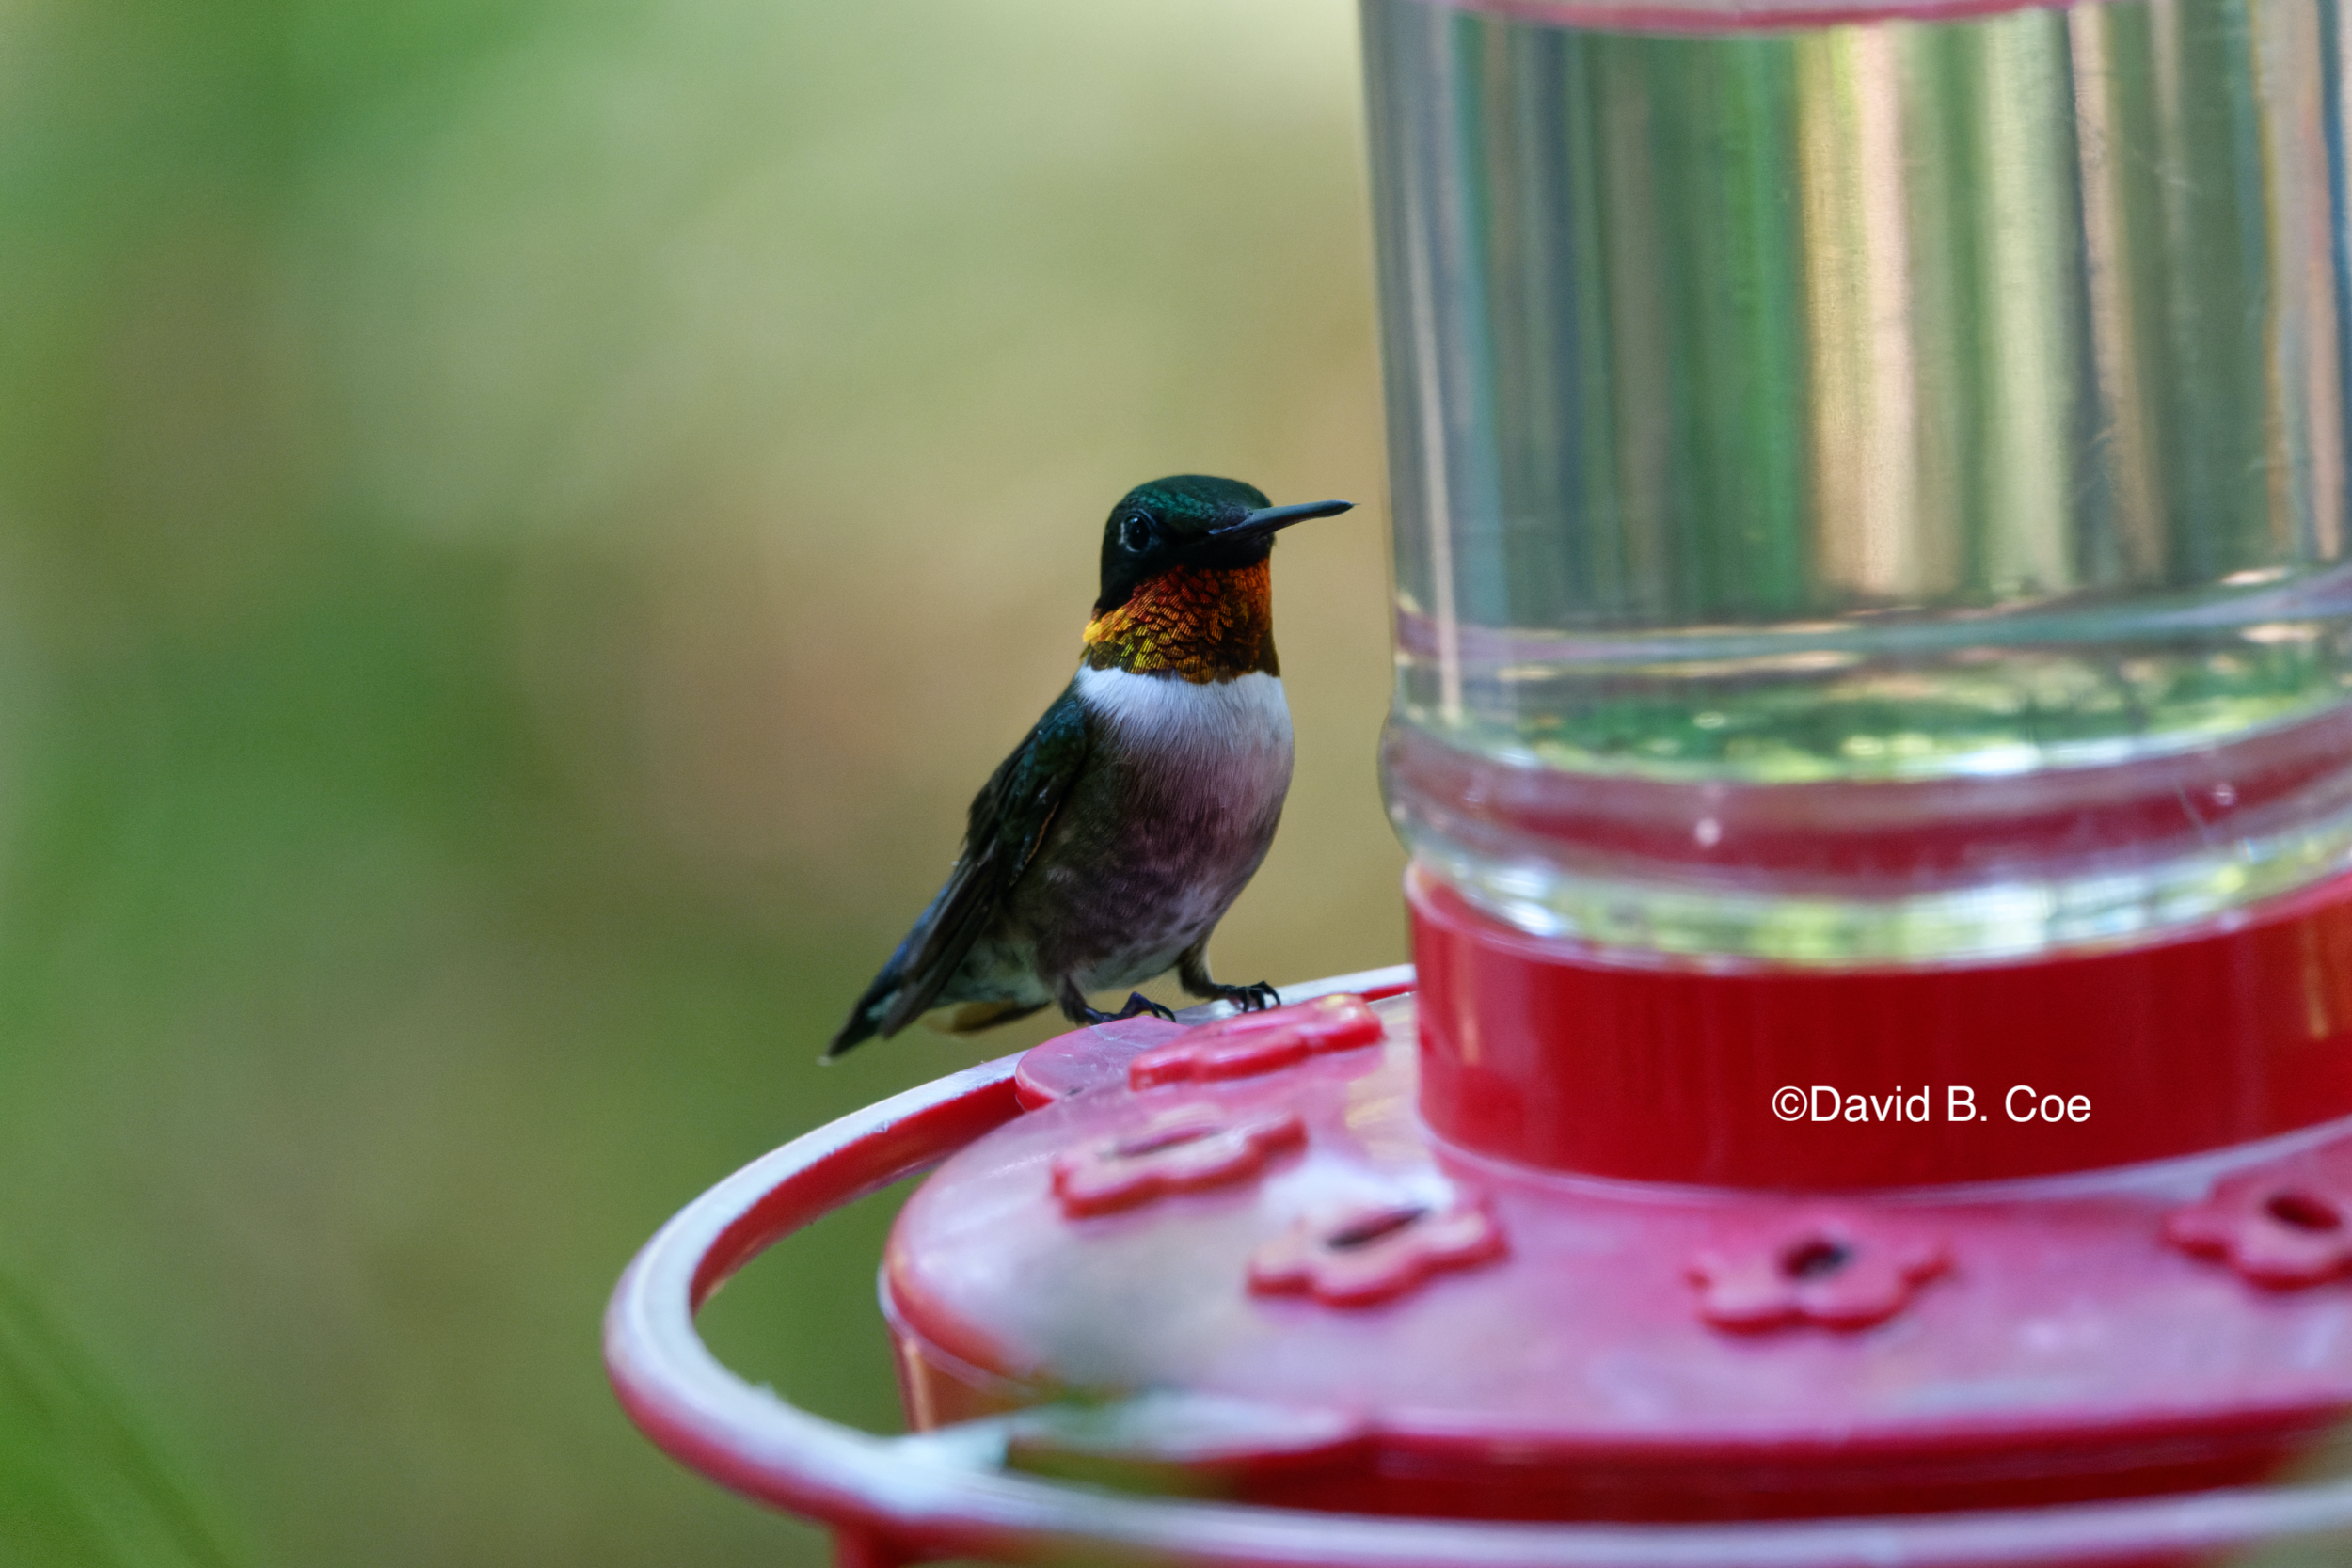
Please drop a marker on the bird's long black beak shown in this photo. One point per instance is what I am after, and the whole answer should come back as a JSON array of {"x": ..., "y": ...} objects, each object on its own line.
[{"x": 1269, "y": 518}]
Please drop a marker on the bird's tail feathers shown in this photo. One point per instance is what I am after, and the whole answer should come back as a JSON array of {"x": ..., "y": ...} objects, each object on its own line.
[
  {"x": 871, "y": 1016},
  {"x": 866, "y": 1019}
]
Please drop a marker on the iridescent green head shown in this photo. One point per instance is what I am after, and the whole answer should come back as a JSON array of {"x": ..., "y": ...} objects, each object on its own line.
[{"x": 1194, "y": 521}]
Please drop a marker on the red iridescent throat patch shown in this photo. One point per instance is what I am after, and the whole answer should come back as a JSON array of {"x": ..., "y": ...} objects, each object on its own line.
[{"x": 1202, "y": 623}]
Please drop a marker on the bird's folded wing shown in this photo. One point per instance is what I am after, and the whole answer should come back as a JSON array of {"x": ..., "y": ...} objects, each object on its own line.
[{"x": 1010, "y": 818}]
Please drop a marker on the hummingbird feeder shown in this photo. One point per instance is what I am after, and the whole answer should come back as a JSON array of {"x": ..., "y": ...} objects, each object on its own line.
[{"x": 1874, "y": 734}]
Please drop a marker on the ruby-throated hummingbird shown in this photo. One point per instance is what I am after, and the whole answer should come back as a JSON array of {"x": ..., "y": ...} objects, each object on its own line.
[{"x": 1106, "y": 847}]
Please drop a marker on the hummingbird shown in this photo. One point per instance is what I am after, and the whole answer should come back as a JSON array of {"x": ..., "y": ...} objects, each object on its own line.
[{"x": 1104, "y": 851}]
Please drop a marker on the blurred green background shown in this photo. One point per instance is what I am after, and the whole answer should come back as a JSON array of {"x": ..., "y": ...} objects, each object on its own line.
[{"x": 521, "y": 526}]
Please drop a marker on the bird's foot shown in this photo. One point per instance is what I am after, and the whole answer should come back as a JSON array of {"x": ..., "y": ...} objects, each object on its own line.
[
  {"x": 1249, "y": 999},
  {"x": 1137, "y": 1005}
]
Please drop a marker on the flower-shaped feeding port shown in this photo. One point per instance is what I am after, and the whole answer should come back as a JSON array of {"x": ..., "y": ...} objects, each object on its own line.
[
  {"x": 2282, "y": 1226},
  {"x": 1247, "y": 1044},
  {"x": 1180, "y": 1151},
  {"x": 1828, "y": 1270},
  {"x": 1375, "y": 1253}
]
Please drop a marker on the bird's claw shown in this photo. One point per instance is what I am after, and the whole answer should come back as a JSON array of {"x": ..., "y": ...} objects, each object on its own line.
[
  {"x": 1137, "y": 1005},
  {"x": 1251, "y": 999}
]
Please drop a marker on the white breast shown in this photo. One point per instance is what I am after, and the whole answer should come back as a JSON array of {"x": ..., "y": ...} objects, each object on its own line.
[{"x": 1230, "y": 739}]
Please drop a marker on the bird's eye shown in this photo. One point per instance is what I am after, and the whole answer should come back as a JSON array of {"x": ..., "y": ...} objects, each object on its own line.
[{"x": 1134, "y": 533}]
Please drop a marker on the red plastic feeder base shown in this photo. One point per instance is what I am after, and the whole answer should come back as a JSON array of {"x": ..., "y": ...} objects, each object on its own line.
[
  {"x": 1232, "y": 1265},
  {"x": 1394, "y": 1325}
]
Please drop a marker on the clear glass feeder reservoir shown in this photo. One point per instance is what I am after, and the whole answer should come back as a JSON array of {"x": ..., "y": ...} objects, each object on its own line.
[{"x": 1866, "y": 492}]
